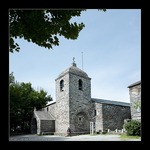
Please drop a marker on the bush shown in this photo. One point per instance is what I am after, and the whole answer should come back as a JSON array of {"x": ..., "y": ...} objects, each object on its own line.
[
  {"x": 133, "y": 127},
  {"x": 104, "y": 131}
]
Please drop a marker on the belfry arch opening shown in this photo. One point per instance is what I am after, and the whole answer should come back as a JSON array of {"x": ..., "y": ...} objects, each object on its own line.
[
  {"x": 62, "y": 85},
  {"x": 80, "y": 84}
]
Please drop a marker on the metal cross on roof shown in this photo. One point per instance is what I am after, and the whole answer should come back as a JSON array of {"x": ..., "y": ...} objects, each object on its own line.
[{"x": 73, "y": 59}]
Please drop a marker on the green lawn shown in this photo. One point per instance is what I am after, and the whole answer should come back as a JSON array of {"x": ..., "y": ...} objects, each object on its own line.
[{"x": 124, "y": 136}]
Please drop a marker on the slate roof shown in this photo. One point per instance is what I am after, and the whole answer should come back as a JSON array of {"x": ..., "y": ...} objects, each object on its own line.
[
  {"x": 44, "y": 115},
  {"x": 74, "y": 70},
  {"x": 134, "y": 84},
  {"x": 51, "y": 103},
  {"x": 103, "y": 101}
]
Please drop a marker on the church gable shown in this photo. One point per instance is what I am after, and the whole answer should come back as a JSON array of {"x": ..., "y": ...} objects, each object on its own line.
[{"x": 42, "y": 121}]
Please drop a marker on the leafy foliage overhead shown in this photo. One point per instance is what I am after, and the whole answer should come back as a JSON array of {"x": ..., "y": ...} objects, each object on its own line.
[{"x": 43, "y": 27}]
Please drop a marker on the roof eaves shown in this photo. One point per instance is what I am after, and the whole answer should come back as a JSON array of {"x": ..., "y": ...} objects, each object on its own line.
[{"x": 134, "y": 84}]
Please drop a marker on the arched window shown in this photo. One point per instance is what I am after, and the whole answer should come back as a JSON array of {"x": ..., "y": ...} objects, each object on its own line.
[
  {"x": 80, "y": 84},
  {"x": 95, "y": 112},
  {"x": 61, "y": 85}
]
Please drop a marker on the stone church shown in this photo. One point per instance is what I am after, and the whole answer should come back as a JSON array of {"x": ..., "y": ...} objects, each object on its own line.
[
  {"x": 75, "y": 108},
  {"x": 135, "y": 100}
]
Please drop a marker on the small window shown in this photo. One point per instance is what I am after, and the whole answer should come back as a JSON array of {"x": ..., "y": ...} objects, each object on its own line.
[
  {"x": 47, "y": 109},
  {"x": 80, "y": 119},
  {"x": 80, "y": 84},
  {"x": 62, "y": 85}
]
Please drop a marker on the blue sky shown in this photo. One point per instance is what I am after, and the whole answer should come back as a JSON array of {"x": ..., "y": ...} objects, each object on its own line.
[{"x": 111, "y": 47}]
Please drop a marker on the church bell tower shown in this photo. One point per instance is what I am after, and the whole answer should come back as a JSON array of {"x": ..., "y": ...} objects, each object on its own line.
[{"x": 73, "y": 97}]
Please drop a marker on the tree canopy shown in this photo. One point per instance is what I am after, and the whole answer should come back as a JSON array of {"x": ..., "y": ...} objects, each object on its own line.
[
  {"x": 23, "y": 100},
  {"x": 43, "y": 27}
]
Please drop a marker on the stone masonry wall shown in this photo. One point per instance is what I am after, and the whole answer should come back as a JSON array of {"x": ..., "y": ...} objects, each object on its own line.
[
  {"x": 135, "y": 100},
  {"x": 62, "y": 105},
  {"x": 79, "y": 102},
  {"x": 114, "y": 115},
  {"x": 98, "y": 117},
  {"x": 52, "y": 109},
  {"x": 48, "y": 126},
  {"x": 35, "y": 124}
]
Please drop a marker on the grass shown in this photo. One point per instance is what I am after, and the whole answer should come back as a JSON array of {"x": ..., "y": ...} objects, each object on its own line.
[{"x": 124, "y": 136}]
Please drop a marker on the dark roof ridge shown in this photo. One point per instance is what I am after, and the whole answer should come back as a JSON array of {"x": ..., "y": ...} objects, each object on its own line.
[
  {"x": 110, "y": 102},
  {"x": 134, "y": 84}
]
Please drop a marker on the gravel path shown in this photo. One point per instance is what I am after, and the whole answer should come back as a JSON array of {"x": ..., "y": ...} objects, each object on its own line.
[{"x": 72, "y": 138}]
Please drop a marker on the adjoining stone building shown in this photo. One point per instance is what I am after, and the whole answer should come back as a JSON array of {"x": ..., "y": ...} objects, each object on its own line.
[
  {"x": 75, "y": 108},
  {"x": 135, "y": 100}
]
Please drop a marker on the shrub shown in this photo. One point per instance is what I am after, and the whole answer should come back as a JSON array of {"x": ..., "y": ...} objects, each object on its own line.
[
  {"x": 133, "y": 127},
  {"x": 104, "y": 131}
]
